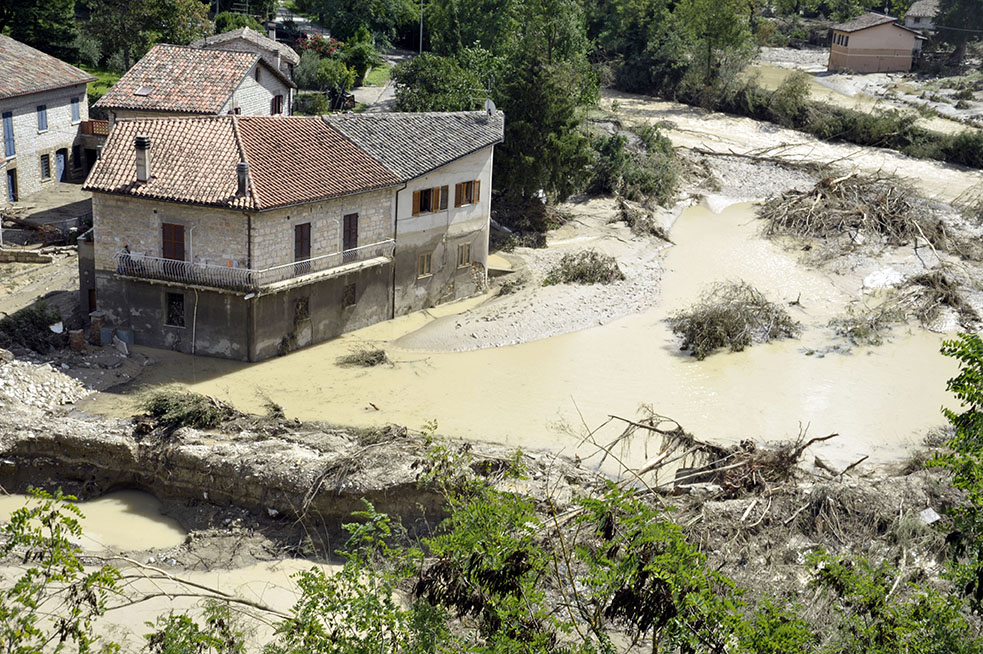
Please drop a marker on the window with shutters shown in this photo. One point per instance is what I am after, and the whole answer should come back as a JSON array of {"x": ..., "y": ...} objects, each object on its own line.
[
  {"x": 45, "y": 166},
  {"x": 467, "y": 193},
  {"x": 429, "y": 200},
  {"x": 172, "y": 241},
  {"x": 276, "y": 104},
  {"x": 42, "y": 118},
  {"x": 463, "y": 255},
  {"x": 76, "y": 113},
  {"x": 424, "y": 265},
  {"x": 8, "y": 134},
  {"x": 174, "y": 309},
  {"x": 302, "y": 248}
]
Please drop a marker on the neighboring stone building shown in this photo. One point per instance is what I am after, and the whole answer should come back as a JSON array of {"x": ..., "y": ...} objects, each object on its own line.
[
  {"x": 42, "y": 104},
  {"x": 872, "y": 43},
  {"x": 245, "y": 237},
  {"x": 174, "y": 80},
  {"x": 244, "y": 39}
]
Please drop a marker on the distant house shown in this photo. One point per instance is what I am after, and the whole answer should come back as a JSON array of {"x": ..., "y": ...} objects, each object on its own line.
[
  {"x": 42, "y": 104},
  {"x": 243, "y": 237},
  {"x": 872, "y": 43},
  {"x": 921, "y": 16},
  {"x": 276, "y": 54},
  {"x": 174, "y": 80}
]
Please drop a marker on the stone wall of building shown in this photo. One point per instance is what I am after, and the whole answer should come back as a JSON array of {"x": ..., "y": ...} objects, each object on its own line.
[
  {"x": 243, "y": 45},
  {"x": 273, "y": 231},
  {"x": 253, "y": 98},
  {"x": 31, "y": 143}
]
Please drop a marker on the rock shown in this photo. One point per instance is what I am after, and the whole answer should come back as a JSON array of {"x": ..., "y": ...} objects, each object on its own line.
[{"x": 6, "y": 356}]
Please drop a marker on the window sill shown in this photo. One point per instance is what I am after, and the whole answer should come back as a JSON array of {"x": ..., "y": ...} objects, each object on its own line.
[
  {"x": 76, "y": 122},
  {"x": 42, "y": 131},
  {"x": 422, "y": 277}
]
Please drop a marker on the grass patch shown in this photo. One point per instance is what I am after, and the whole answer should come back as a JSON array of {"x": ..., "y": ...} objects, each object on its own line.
[
  {"x": 378, "y": 76},
  {"x": 364, "y": 357},
  {"x": 174, "y": 409},
  {"x": 586, "y": 267},
  {"x": 29, "y": 327},
  {"x": 731, "y": 316},
  {"x": 98, "y": 88}
]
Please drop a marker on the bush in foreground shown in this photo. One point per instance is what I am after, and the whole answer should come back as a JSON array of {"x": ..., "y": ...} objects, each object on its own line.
[{"x": 586, "y": 267}]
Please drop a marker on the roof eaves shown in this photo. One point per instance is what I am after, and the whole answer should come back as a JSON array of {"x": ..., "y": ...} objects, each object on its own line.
[
  {"x": 50, "y": 88},
  {"x": 453, "y": 159}
]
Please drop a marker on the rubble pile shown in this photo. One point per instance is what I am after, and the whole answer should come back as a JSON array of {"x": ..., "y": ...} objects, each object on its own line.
[{"x": 37, "y": 385}]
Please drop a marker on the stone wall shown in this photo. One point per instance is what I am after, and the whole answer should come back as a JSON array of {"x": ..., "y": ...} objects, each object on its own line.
[
  {"x": 273, "y": 231},
  {"x": 242, "y": 45},
  {"x": 30, "y": 143},
  {"x": 253, "y": 98}
]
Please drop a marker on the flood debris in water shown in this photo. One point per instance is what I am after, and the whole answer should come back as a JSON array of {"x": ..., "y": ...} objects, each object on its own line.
[
  {"x": 364, "y": 357},
  {"x": 934, "y": 291},
  {"x": 733, "y": 316},
  {"x": 585, "y": 267},
  {"x": 862, "y": 324},
  {"x": 641, "y": 220},
  {"x": 855, "y": 206},
  {"x": 171, "y": 409}
]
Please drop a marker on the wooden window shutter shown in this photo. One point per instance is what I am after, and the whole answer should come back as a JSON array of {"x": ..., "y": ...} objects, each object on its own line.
[
  {"x": 416, "y": 203},
  {"x": 435, "y": 199},
  {"x": 477, "y": 191},
  {"x": 458, "y": 195},
  {"x": 443, "y": 197}
]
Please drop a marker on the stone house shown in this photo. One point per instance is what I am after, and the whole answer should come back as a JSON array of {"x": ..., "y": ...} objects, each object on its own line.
[
  {"x": 243, "y": 237},
  {"x": 42, "y": 104},
  {"x": 244, "y": 39},
  {"x": 174, "y": 80},
  {"x": 873, "y": 43},
  {"x": 921, "y": 16}
]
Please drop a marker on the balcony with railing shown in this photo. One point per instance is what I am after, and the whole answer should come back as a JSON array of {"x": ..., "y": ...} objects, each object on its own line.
[
  {"x": 141, "y": 266},
  {"x": 94, "y": 127}
]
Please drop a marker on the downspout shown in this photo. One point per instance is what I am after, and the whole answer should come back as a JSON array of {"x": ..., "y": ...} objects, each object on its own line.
[
  {"x": 392, "y": 311},
  {"x": 250, "y": 330}
]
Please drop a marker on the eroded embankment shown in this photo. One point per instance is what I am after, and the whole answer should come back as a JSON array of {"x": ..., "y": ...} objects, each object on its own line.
[{"x": 273, "y": 467}]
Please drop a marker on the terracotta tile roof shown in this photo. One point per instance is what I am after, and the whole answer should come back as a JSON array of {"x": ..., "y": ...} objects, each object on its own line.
[
  {"x": 413, "y": 144},
  {"x": 183, "y": 80},
  {"x": 923, "y": 9},
  {"x": 870, "y": 19},
  {"x": 25, "y": 70},
  {"x": 286, "y": 52},
  {"x": 292, "y": 160}
]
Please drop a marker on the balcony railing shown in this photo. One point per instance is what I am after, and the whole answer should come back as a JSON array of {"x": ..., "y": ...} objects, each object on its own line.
[
  {"x": 134, "y": 264},
  {"x": 95, "y": 127}
]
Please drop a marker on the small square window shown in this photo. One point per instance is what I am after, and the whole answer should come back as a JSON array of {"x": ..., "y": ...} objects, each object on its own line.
[
  {"x": 174, "y": 316},
  {"x": 350, "y": 296},
  {"x": 463, "y": 255},
  {"x": 424, "y": 265},
  {"x": 45, "y": 166}
]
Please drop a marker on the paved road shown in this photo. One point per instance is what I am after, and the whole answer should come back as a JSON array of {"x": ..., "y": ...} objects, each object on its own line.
[{"x": 381, "y": 99}]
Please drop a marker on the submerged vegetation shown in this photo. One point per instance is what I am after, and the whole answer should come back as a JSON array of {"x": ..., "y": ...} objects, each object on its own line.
[
  {"x": 731, "y": 316},
  {"x": 175, "y": 409},
  {"x": 364, "y": 357},
  {"x": 585, "y": 267}
]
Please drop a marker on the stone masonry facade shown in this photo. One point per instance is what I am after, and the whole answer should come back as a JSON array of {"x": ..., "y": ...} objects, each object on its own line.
[{"x": 31, "y": 143}]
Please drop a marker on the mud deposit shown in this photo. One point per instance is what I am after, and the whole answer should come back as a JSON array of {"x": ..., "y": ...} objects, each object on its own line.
[{"x": 880, "y": 400}]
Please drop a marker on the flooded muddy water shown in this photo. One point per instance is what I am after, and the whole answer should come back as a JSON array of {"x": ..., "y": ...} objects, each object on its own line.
[
  {"x": 128, "y": 521},
  {"x": 880, "y": 400}
]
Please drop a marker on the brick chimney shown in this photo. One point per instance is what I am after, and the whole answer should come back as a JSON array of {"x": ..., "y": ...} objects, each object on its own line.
[
  {"x": 242, "y": 174},
  {"x": 142, "y": 147}
]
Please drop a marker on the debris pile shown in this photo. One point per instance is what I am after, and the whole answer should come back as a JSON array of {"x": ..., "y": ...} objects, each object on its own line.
[
  {"x": 733, "y": 316},
  {"x": 36, "y": 385}
]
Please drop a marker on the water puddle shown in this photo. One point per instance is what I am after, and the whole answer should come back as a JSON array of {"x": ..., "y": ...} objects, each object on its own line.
[
  {"x": 880, "y": 400},
  {"x": 128, "y": 521}
]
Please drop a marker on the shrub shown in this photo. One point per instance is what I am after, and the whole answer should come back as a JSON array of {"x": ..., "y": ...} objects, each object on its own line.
[
  {"x": 364, "y": 358},
  {"x": 645, "y": 172},
  {"x": 790, "y": 100},
  {"x": 174, "y": 409},
  {"x": 305, "y": 74},
  {"x": 229, "y": 20},
  {"x": 586, "y": 267},
  {"x": 90, "y": 52},
  {"x": 733, "y": 316},
  {"x": 360, "y": 57},
  {"x": 29, "y": 327}
]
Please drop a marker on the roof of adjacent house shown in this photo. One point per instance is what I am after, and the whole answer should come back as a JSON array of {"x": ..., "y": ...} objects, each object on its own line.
[
  {"x": 24, "y": 70},
  {"x": 864, "y": 21},
  {"x": 923, "y": 9},
  {"x": 413, "y": 144},
  {"x": 183, "y": 80},
  {"x": 286, "y": 52},
  {"x": 292, "y": 160}
]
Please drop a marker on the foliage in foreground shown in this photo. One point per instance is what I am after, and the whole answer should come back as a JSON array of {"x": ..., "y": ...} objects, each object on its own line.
[
  {"x": 732, "y": 316},
  {"x": 29, "y": 327},
  {"x": 175, "y": 409},
  {"x": 585, "y": 267}
]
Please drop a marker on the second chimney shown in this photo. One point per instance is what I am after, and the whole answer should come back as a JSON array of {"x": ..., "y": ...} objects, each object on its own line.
[
  {"x": 242, "y": 172},
  {"x": 142, "y": 145}
]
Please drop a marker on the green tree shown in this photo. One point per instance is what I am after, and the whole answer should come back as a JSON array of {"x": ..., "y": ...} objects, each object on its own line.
[
  {"x": 720, "y": 33},
  {"x": 48, "y": 26},
  {"x": 957, "y": 23},
  {"x": 380, "y": 17},
  {"x": 230, "y": 20},
  {"x": 432, "y": 82}
]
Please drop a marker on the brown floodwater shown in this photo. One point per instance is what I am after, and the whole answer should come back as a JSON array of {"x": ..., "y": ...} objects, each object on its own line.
[{"x": 881, "y": 400}]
